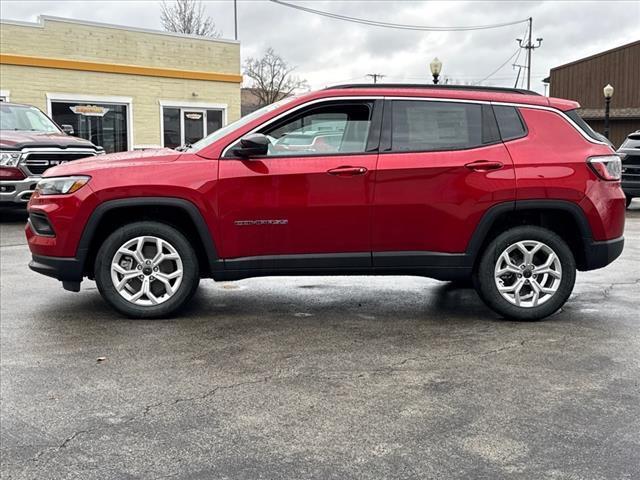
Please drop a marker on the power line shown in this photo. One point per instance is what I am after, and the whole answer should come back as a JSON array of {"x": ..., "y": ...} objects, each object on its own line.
[
  {"x": 400, "y": 26},
  {"x": 515, "y": 62},
  {"x": 346, "y": 80},
  {"x": 500, "y": 67},
  {"x": 516, "y": 54}
]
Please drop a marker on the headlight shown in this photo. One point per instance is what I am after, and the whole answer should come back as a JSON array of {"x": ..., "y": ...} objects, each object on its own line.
[
  {"x": 9, "y": 159},
  {"x": 61, "y": 185}
]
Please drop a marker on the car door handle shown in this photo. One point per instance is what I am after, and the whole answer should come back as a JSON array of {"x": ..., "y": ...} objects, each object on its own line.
[
  {"x": 484, "y": 165},
  {"x": 347, "y": 171}
]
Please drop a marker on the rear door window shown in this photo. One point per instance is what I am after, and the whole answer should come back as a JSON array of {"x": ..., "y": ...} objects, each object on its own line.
[
  {"x": 509, "y": 122},
  {"x": 419, "y": 125}
]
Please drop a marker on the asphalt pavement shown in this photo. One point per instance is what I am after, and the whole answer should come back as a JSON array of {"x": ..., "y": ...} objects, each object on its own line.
[{"x": 319, "y": 377}]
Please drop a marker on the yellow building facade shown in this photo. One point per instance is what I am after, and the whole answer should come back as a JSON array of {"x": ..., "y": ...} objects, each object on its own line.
[{"x": 122, "y": 88}]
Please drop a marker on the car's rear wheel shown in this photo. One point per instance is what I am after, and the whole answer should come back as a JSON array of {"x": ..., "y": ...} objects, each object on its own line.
[
  {"x": 526, "y": 273},
  {"x": 629, "y": 199},
  {"x": 146, "y": 270}
]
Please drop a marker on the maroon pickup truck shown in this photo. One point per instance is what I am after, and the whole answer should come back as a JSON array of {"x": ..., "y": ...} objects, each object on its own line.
[{"x": 30, "y": 143}]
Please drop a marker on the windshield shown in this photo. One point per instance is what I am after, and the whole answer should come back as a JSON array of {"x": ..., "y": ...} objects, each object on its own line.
[
  {"x": 25, "y": 118},
  {"x": 218, "y": 134}
]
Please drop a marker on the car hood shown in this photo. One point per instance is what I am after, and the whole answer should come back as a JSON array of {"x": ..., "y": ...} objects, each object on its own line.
[
  {"x": 114, "y": 160},
  {"x": 18, "y": 139}
]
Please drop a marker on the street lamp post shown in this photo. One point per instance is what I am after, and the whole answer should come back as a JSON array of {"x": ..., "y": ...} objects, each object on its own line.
[
  {"x": 436, "y": 68},
  {"x": 608, "y": 93}
]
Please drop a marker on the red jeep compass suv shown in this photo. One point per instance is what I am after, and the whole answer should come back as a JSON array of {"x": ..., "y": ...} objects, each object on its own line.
[{"x": 503, "y": 186}]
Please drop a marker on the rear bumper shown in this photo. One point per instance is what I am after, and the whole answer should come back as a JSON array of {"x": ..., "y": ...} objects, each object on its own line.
[
  {"x": 67, "y": 270},
  {"x": 601, "y": 254}
]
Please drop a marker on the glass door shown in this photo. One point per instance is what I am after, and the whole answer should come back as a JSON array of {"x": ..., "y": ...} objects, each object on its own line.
[
  {"x": 194, "y": 126},
  {"x": 182, "y": 125}
]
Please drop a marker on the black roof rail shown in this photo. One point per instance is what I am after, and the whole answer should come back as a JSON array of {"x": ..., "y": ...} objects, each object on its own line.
[{"x": 434, "y": 87}]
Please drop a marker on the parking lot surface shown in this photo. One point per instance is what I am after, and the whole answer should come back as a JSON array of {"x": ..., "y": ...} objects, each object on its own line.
[{"x": 319, "y": 377}]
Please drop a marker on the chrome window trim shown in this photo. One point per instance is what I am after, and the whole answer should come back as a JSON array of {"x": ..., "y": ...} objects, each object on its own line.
[
  {"x": 298, "y": 107},
  {"x": 505, "y": 104},
  {"x": 559, "y": 112},
  {"x": 424, "y": 99}
]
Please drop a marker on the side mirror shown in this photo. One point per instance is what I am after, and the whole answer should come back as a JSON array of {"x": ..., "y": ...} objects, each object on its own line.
[
  {"x": 252, "y": 145},
  {"x": 68, "y": 129}
]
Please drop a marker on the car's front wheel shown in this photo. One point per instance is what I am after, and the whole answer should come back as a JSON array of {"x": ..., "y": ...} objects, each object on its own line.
[
  {"x": 146, "y": 270},
  {"x": 526, "y": 273}
]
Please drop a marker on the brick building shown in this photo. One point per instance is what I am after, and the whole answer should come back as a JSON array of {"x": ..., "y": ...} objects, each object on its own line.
[
  {"x": 584, "y": 79},
  {"x": 121, "y": 87}
]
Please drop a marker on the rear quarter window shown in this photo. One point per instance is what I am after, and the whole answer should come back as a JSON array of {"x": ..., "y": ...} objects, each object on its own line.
[
  {"x": 510, "y": 122},
  {"x": 584, "y": 126}
]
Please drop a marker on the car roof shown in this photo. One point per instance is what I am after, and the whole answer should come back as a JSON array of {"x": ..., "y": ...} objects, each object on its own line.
[
  {"x": 456, "y": 92},
  {"x": 477, "y": 88}
]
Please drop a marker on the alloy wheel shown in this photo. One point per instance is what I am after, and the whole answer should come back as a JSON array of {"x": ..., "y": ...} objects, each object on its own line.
[
  {"x": 528, "y": 273},
  {"x": 146, "y": 270}
]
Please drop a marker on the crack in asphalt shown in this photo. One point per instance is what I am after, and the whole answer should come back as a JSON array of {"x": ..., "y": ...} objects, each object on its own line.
[
  {"x": 461, "y": 354},
  {"x": 145, "y": 411},
  {"x": 72, "y": 437},
  {"x": 209, "y": 393},
  {"x": 607, "y": 290}
]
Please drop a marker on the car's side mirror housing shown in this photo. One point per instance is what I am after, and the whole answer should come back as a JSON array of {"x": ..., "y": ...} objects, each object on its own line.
[
  {"x": 68, "y": 129},
  {"x": 252, "y": 145}
]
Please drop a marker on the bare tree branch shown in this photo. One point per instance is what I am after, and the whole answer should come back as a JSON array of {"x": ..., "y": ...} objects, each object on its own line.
[
  {"x": 272, "y": 77},
  {"x": 187, "y": 16}
]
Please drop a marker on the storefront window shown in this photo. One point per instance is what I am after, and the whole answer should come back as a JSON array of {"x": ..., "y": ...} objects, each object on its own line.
[
  {"x": 103, "y": 124},
  {"x": 171, "y": 123},
  {"x": 214, "y": 120},
  {"x": 188, "y": 125}
]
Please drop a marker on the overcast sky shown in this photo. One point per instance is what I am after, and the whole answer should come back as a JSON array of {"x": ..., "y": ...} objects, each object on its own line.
[{"x": 328, "y": 51}]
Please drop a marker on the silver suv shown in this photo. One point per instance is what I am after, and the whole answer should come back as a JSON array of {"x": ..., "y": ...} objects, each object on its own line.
[{"x": 629, "y": 151}]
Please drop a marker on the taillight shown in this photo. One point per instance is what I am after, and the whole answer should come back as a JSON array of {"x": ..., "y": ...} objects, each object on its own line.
[
  {"x": 607, "y": 167},
  {"x": 11, "y": 173}
]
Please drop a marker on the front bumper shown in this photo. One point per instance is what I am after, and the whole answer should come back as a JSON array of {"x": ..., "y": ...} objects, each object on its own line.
[
  {"x": 67, "y": 270},
  {"x": 17, "y": 192},
  {"x": 631, "y": 188},
  {"x": 599, "y": 254}
]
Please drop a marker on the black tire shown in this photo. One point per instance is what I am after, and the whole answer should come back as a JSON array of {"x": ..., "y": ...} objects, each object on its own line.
[
  {"x": 190, "y": 267},
  {"x": 629, "y": 199},
  {"x": 485, "y": 282}
]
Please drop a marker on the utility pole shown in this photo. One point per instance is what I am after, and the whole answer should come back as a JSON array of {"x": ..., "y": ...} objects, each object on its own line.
[
  {"x": 529, "y": 47},
  {"x": 235, "y": 18},
  {"x": 375, "y": 76}
]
